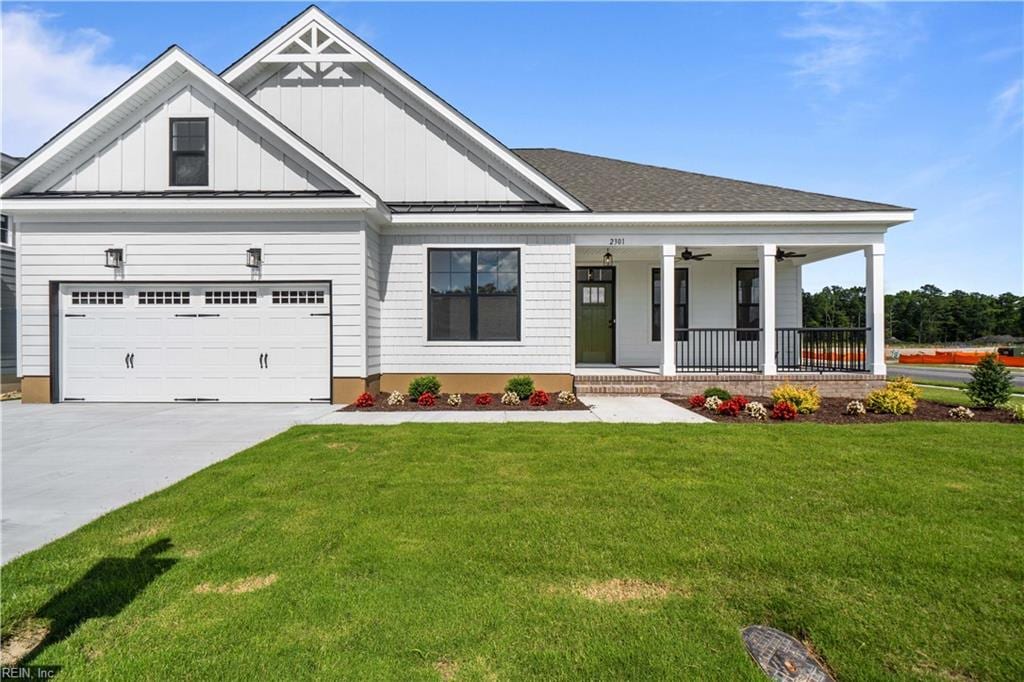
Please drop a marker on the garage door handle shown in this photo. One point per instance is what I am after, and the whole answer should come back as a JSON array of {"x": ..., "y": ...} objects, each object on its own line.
[
  {"x": 131, "y": 359},
  {"x": 261, "y": 360},
  {"x": 126, "y": 365}
]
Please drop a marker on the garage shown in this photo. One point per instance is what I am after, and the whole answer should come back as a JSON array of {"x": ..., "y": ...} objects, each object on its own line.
[{"x": 195, "y": 342}]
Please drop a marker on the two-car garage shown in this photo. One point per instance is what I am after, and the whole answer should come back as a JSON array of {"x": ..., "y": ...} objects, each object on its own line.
[{"x": 195, "y": 342}]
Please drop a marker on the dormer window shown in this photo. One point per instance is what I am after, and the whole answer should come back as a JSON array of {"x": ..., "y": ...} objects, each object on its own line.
[{"x": 190, "y": 160}]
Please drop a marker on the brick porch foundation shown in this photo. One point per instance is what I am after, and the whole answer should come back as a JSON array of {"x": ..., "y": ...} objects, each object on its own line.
[{"x": 829, "y": 385}]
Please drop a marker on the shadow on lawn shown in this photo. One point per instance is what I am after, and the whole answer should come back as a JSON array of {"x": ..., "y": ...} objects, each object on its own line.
[{"x": 104, "y": 590}]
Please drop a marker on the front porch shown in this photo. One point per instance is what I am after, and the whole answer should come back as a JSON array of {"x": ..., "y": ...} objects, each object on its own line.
[{"x": 735, "y": 311}]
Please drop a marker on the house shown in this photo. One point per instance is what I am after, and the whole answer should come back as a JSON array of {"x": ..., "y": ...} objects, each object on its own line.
[
  {"x": 8, "y": 299},
  {"x": 313, "y": 222}
]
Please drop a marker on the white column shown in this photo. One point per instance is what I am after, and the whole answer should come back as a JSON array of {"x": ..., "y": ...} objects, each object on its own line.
[
  {"x": 874, "y": 299},
  {"x": 766, "y": 308},
  {"x": 668, "y": 309}
]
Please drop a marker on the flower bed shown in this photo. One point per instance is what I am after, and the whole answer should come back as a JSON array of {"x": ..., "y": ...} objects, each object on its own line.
[{"x": 469, "y": 402}]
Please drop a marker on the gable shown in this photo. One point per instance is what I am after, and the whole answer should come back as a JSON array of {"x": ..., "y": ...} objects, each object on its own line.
[{"x": 376, "y": 121}]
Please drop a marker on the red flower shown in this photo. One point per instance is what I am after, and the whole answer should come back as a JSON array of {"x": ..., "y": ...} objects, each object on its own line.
[
  {"x": 483, "y": 399},
  {"x": 364, "y": 400},
  {"x": 741, "y": 401},
  {"x": 783, "y": 410},
  {"x": 697, "y": 401},
  {"x": 730, "y": 408},
  {"x": 539, "y": 398},
  {"x": 426, "y": 400}
]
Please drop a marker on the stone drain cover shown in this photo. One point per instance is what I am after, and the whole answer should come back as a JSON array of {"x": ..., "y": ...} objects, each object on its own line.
[{"x": 781, "y": 657}]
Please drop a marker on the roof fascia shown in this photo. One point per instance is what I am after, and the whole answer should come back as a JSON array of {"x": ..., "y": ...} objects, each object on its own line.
[
  {"x": 888, "y": 218},
  {"x": 417, "y": 89},
  {"x": 18, "y": 206}
]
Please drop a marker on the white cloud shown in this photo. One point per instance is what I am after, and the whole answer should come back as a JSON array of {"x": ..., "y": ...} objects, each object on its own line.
[
  {"x": 1008, "y": 107},
  {"x": 50, "y": 77}
]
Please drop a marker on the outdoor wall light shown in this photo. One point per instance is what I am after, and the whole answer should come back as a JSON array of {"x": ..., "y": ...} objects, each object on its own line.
[
  {"x": 115, "y": 258},
  {"x": 608, "y": 258},
  {"x": 254, "y": 257}
]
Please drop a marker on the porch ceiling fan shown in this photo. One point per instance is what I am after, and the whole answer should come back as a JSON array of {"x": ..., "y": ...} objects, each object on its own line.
[
  {"x": 690, "y": 255},
  {"x": 781, "y": 255}
]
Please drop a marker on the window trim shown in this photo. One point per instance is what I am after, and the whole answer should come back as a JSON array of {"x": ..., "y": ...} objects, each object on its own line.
[
  {"x": 473, "y": 295},
  {"x": 747, "y": 333},
  {"x": 656, "y": 307},
  {"x": 171, "y": 153}
]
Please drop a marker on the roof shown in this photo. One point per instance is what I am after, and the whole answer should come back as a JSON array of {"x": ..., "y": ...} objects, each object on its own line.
[
  {"x": 614, "y": 186},
  {"x": 8, "y": 162}
]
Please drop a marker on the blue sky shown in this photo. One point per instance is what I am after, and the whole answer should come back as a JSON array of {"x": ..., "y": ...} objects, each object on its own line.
[{"x": 913, "y": 104}]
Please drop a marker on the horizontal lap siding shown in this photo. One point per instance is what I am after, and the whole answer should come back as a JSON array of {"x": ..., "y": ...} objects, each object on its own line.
[
  {"x": 372, "y": 302},
  {"x": 194, "y": 252},
  {"x": 545, "y": 304},
  {"x": 8, "y": 313}
]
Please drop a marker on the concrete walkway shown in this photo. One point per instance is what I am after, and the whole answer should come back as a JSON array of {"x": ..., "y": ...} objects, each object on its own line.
[{"x": 612, "y": 409}]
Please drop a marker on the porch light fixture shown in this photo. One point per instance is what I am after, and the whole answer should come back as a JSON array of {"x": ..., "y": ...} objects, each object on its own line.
[
  {"x": 608, "y": 258},
  {"x": 254, "y": 257},
  {"x": 115, "y": 258}
]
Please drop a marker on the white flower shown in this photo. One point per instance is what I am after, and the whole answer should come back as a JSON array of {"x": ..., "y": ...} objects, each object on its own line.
[
  {"x": 396, "y": 398},
  {"x": 712, "y": 403},
  {"x": 855, "y": 407},
  {"x": 455, "y": 399},
  {"x": 566, "y": 398},
  {"x": 961, "y": 413},
  {"x": 510, "y": 398},
  {"x": 756, "y": 410}
]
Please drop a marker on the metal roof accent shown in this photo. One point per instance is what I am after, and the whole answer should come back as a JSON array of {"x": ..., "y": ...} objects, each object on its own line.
[{"x": 474, "y": 207}]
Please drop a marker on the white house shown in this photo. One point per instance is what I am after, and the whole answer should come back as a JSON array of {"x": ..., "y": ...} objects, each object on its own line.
[{"x": 313, "y": 222}]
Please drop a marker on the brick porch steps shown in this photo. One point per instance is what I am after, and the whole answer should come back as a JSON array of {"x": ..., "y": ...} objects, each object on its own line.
[{"x": 830, "y": 385}]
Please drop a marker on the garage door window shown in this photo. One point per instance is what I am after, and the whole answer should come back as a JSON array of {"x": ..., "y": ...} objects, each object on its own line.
[
  {"x": 247, "y": 297},
  {"x": 296, "y": 297},
  {"x": 163, "y": 298},
  {"x": 97, "y": 297}
]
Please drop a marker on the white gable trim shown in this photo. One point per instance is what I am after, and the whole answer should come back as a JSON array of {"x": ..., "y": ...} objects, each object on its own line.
[
  {"x": 176, "y": 61},
  {"x": 238, "y": 71}
]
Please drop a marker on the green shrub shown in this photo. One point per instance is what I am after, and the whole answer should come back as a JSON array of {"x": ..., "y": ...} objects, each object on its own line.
[
  {"x": 991, "y": 383},
  {"x": 890, "y": 400},
  {"x": 420, "y": 385},
  {"x": 715, "y": 392},
  {"x": 906, "y": 385},
  {"x": 1017, "y": 410},
  {"x": 805, "y": 400},
  {"x": 522, "y": 386}
]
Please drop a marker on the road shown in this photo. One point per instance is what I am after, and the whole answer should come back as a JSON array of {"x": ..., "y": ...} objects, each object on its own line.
[{"x": 943, "y": 373}]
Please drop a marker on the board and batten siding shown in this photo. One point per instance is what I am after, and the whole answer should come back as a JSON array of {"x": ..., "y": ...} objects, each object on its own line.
[
  {"x": 546, "y": 308},
  {"x": 136, "y": 155},
  {"x": 371, "y": 131},
  {"x": 197, "y": 252}
]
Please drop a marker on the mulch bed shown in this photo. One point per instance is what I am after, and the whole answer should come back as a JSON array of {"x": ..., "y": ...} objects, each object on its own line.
[
  {"x": 832, "y": 412},
  {"x": 468, "y": 405}
]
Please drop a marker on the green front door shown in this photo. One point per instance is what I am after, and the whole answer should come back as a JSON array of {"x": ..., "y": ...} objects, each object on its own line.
[{"x": 595, "y": 315}]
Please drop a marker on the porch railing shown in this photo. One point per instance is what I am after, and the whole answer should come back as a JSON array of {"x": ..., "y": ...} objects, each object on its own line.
[
  {"x": 821, "y": 349},
  {"x": 718, "y": 350}
]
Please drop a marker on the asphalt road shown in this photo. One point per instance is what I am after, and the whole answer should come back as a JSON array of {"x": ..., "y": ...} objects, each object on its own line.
[{"x": 943, "y": 373}]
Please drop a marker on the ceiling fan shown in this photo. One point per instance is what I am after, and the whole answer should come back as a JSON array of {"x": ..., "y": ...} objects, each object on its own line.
[
  {"x": 690, "y": 255},
  {"x": 781, "y": 255}
]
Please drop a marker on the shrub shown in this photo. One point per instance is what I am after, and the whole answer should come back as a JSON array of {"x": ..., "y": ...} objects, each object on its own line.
[
  {"x": 1017, "y": 410},
  {"x": 510, "y": 398},
  {"x": 906, "y": 385},
  {"x": 483, "y": 399},
  {"x": 421, "y": 385},
  {"x": 856, "y": 408},
  {"x": 696, "y": 401},
  {"x": 455, "y": 399},
  {"x": 756, "y": 410},
  {"x": 364, "y": 400},
  {"x": 741, "y": 401},
  {"x": 805, "y": 400},
  {"x": 426, "y": 399},
  {"x": 396, "y": 398},
  {"x": 711, "y": 404},
  {"x": 566, "y": 398},
  {"x": 715, "y": 392},
  {"x": 991, "y": 383},
  {"x": 890, "y": 400},
  {"x": 961, "y": 413},
  {"x": 522, "y": 386},
  {"x": 784, "y": 410},
  {"x": 539, "y": 398},
  {"x": 729, "y": 408}
]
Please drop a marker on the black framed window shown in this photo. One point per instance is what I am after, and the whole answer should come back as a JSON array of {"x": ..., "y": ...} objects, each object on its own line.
[
  {"x": 5, "y": 231},
  {"x": 190, "y": 159},
  {"x": 682, "y": 318},
  {"x": 748, "y": 307},
  {"x": 473, "y": 295}
]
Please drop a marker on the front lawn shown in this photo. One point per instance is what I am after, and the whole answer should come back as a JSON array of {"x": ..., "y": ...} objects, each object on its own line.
[{"x": 543, "y": 551}]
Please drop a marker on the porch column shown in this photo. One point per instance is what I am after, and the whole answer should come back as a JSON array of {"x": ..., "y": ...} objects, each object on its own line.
[
  {"x": 766, "y": 306},
  {"x": 668, "y": 309},
  {"x": 874, "y": 300}
]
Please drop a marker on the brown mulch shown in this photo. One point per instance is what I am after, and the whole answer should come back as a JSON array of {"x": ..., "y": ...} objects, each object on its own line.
[
  {"x": 832, "y": 412},
  {"x": 468, "y": 405}
]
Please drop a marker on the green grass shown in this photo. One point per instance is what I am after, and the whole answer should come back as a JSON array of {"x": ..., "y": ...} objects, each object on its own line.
[
  {"x": 895, "y": 549},
  {"x": 946, "y": 396}
]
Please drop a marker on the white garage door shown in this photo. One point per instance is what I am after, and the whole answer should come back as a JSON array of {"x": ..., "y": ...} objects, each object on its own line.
[{"x": 195, "y": 342}]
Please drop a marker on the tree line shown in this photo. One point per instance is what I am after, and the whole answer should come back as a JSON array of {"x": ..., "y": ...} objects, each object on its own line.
[{"x": 925, "y": 315}]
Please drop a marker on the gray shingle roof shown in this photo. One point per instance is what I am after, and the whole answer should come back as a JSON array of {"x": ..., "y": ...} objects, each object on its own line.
[{"x": 610, "y": 185}]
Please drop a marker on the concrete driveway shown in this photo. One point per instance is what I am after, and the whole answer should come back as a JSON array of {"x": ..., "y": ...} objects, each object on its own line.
[{"x": 65, "y": 465}]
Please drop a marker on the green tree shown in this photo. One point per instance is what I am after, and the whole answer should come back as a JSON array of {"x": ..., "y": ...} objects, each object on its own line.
[{"x": 991, "y": 383}]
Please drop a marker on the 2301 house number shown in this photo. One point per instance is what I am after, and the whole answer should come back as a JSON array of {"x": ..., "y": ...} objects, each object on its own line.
[{"x": 617, "y": 241}]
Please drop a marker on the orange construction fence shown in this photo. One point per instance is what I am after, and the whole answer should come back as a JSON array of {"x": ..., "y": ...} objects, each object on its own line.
[{"x": 957, "y": 358}]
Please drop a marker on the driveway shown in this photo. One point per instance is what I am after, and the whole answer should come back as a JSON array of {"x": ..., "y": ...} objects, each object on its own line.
[{"x": 65, "y": 465}]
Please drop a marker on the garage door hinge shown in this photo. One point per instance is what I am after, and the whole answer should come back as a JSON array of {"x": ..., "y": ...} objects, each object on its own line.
[{"x": 197, "y": 400}]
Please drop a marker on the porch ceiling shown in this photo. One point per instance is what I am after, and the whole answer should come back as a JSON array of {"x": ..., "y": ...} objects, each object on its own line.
[{"x": 595, "y": 254}]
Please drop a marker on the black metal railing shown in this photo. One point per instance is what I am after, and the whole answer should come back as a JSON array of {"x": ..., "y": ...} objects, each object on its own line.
[
  {"x": 718, "y": 350},
  {"x": 821, "y": 349}
]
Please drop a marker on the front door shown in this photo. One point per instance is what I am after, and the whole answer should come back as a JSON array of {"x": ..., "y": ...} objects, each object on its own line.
[{"x": 595, "y": 315}]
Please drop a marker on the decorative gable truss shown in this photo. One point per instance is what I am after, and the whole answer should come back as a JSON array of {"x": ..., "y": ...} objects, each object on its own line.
[{"x": 312, "y": 45}]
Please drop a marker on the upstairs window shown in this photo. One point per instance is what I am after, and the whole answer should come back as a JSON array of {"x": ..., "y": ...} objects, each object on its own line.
[
  {"x": 474, "y": 295},
  {"x": 190, "y": 160},
  {"x": 5, "y": 231}
]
